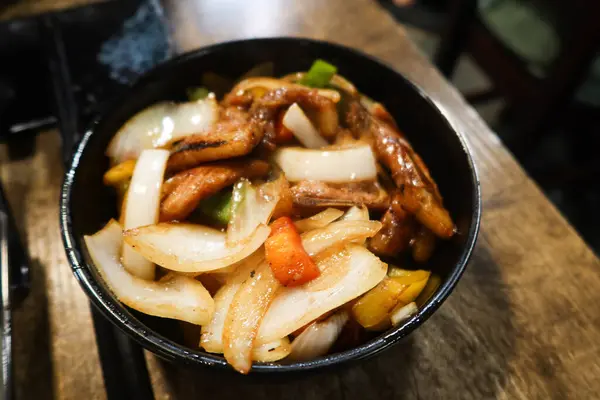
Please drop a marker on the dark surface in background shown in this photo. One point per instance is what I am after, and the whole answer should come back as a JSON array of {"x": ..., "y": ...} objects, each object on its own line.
[{"x": 552, "y": 163}]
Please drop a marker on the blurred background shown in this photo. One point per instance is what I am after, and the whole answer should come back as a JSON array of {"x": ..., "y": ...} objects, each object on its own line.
[{"x": 529, "y": 67}]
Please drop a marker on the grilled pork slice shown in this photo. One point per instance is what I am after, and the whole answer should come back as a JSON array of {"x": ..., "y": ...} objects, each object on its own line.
[
  {"x": 321, "y": 194},
  {"x": 201, "y": 182},
  {"x": 418, "y": 194},
  {"x": 234, "y": 135},
  {"x": 395, "y": 235}
]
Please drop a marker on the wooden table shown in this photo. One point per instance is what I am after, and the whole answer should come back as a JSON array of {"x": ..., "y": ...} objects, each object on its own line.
[{"x": 520, "y": 325}]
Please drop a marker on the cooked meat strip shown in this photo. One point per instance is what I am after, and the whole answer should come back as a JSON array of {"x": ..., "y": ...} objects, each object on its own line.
[
  {"x": 419, "y": 193},
  {"x": 240, "y": 100},
  {"x": 322, "y": 109},
  {"x": 239, "y": 131},
  {"x": 423, "y": 244},
  {"x": 173, "y": 182},
  {"x": 395, "y": 235},
  {"x": 234, "y": 135},
  {"x": 204, "y": 181},
  {"x": 321, "y": 194},
  {"x": 426, "y": 208}
]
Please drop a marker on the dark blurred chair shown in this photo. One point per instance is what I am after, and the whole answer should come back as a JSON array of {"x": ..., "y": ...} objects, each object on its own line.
[{"x": 534, "y": 103}]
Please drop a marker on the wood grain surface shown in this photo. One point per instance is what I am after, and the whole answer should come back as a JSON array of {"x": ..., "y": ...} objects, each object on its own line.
[
  {"x": 523, "y": 322},
  {"x": 26, "y": 8}
]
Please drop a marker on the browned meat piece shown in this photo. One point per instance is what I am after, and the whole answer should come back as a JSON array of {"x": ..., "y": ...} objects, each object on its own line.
[
  {"x": 395, "y": 235},
  {"x": 201, "y": 182},
  {"x": 423, "y": 245},
  {"x": 170, "y": 184},
  {"x": 242, "y": 100},
  {"x": 285, "y": 205},
  {"x": 426, "y": 208},
  {"x": 419, "y": 193},
  {"x": 322, "y": 109},
  {"x": 234, "y": 135},
  {"x": 381, "y": 113},
  {"x": 321, "y": 194}
]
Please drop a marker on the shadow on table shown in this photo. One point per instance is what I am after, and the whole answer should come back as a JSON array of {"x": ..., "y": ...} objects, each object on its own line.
[
  {"x": 462, "y": 352},
  {"x": 331, "y": 384},
  {"x": 33, "y": 375}
]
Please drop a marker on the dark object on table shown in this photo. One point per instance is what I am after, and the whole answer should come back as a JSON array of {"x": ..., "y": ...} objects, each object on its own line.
[
  {"x": 429, "y": 15},
  {"x": 535, "y": 101},
  {"x": 86, "y": 203},
  {"x": 14, "y": 284},
  {"x": 75, "y": 61}
]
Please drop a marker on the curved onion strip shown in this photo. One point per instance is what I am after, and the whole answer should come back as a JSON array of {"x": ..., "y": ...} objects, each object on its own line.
[
  {"x": 338, "y": 233},
  {"x": 211, "y": 338},
  {"x": 313, "y": 242},
  {"x": 254, "y": 206},
  {"x": 403, "y": 312},
  {"x": 273, "y": 351},
  {"x": 337, "y": 80},
  {"x": 160, "y": 124},
  {"x": 273, "y": 83},
  {"x": 319, "y": 220},
  {"x": 318, "y": 337},
  {"x": 191, "y": 248},
  {"x": 344, "y": 276},
  {"x": 245, "y": 315},
  {"x": 141, "y": 205},
  {"x": 337, "y": 166},
  {"x": 297, "y": 122},
  {"x": 356, "y": 214},
  {"x": 177, "y": 297}
]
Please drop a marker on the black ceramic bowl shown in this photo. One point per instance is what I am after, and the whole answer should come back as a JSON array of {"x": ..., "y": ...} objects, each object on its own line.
[{"x": 86, "y": 205}]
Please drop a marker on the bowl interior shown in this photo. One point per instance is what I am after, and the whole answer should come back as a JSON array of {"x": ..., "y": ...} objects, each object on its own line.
[{"x": 87, "y": 205}]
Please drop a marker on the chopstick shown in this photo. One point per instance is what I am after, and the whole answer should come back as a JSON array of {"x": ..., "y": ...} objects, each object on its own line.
[{"x": 14, "y": 278}]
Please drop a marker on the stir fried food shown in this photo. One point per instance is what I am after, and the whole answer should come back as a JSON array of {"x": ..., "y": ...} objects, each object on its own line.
[{"x": 274, "y": 219}]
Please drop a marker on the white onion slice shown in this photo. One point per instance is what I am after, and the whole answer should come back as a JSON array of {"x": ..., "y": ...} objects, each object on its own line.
[
  {"x": 315, "y": 241},
  {"x": 338, "y": 233},
  {"x": 160, "y": 124},
  {"x": 245, "y": 315},
  {"x": 254, "y": 207},
  {"x": 318, "y": 337},
  {"x": 192, "y": 248},
  {"x": 273, "y": 83},
  {"x": 319, "y": 220},
  {"x": 211, "y": 338},
  {"x": 403, "y": 312},
  {"x": 297, "y": 122},
  {"x": 177, "y": 297},
  {"x": 336, "y": 166},
  {"x": 336, "y": 80},
  {"x": 141, "y": 205},
  {"x": 270, "y": 352},
  {"x": 356, "y": 214},
  {"x": 344, "y": 276}
]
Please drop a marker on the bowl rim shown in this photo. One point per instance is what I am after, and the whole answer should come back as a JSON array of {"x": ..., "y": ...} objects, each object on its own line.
[{"x": 112, "y": 309}]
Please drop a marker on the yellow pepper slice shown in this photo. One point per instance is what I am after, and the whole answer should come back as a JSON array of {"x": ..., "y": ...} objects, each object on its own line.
[
  {"x": 119, "y": 174},
  {"x": 373, "y": 308},
  {"x": 406, "y": 276},
  {"x": 432, "y": 284},
  {"x": 412, "y": 292}
]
